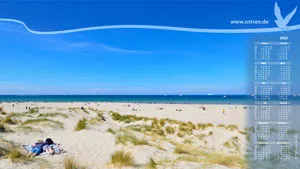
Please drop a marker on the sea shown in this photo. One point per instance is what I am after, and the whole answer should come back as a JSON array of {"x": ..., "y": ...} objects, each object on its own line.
[{"x": 172, "y": 99}]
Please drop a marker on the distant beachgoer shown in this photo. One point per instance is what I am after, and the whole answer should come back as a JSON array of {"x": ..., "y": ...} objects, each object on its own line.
[{"x": 223, "y": 111}]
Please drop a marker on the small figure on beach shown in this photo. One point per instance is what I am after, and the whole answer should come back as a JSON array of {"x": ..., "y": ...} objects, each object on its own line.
[
  {"x": 223, "y": 111},
  {"x": 203, "y": 108}
]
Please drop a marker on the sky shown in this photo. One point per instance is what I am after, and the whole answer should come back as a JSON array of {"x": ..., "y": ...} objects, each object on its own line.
[{"x": 119, "y": 61}]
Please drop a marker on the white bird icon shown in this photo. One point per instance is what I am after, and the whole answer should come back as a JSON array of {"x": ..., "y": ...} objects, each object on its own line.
[{"x": 282, "y": 23}]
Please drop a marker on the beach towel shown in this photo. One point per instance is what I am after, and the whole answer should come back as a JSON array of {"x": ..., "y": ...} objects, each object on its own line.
[{"x": 28, "y": 148}]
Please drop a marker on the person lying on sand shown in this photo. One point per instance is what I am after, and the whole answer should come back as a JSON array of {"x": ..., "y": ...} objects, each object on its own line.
[{"x": 39, "y": 147}]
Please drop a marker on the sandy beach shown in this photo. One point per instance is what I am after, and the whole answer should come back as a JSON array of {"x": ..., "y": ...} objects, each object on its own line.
[{"x": 155, "y": 135}]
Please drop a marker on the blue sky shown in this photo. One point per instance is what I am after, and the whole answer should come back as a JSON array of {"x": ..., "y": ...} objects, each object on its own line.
[{"x": 120, "y": 61}]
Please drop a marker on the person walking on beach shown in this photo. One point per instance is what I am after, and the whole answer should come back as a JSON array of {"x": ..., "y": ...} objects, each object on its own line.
[{"x": 223, "y": 111}]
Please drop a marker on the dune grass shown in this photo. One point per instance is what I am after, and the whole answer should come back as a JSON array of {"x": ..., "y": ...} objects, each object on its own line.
[
  {"x": 152, "y": 164},
  {"x": 52, "y": 123},
  {"x": 140, "y": 128},
  {"x": 33, "y": 110},
  {"x": 2, "y": 111},
  {"x": 188, "y": 141},
  {"x": 3, "y": 152},
  {"x": 162, "y": 122},
  {"x": 11, "y": 152},
  {"x": 210, "y": 157},
  {"x": 70, "y": 163},
  {"x": 204, "y": 126},
  {"x": 26, "y": 128},
  {"x": 187, "y": 128},
  {"x": 16, "y": 156},
  {"x": 84, "y": 110},
  {"x": 125, "y": 138},
  {"x": 170, "y": 130},
  {"x": 29, "y": 113},
  {"x": 180, "y": 134},
  {"x": 96, "y": 120},
  {"x": 232, "y": 127},
  {"x": 227, "y": 144},
  {"x": 127, "y": 118},
  {"x": 2, "y": 128},
  {"x": 44, "y": 115},
  {"x": 110, "y": 130},
  {"x": 187, "y": 149},
  {"x": 154, "y": 130},
  {"x": 96, "y": 110},
  {"x": 243, "y": 132},
  {"x": 122, "y": 158},
  {"x": 81, "y": 124},
  {"x": 233, "y": 142},
  {"x": 8, "y": 120},
  {"x": 221, "y": 126},
  {"x": 201, "y": 137}
]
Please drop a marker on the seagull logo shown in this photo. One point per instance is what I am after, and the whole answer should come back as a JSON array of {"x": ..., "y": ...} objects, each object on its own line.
[{"x": 282, "y": 22}]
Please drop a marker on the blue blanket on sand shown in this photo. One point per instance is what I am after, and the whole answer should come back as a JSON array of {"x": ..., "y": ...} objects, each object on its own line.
[{"x": 55, "y": 147}]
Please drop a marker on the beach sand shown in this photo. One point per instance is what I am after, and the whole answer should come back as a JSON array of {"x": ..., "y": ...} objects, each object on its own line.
[{"x": 218, "y": 131}]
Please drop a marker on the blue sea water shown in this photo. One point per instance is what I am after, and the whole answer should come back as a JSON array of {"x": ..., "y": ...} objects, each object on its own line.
[
  {"x": 187, "y": 99},
  {"x": 205, "y": 99}
]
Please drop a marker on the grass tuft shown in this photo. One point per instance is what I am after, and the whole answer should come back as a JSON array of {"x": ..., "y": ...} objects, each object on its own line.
[
  {"x": 231, "y": 161},
  {"x": 81, "y": 124},
  {"x": 232, "y": 127},
  {"x": 152, "y": 164},
  {"x": 26, "y": 128},
  {"x": 70, "y": 163},
  {"x": 180, "y": 134},
  {"x": 2, "y": 128},
  {"x": 203, "y": 126},
  {"x": 123, "y": 139},
  {"x": 122, "y": 158},
  {"x": 16, "y": 156},
  {"x": 3, "y": 152},
  {"x": 8, "y": 120},
  {"x": 53, "y": 115},
  {"x": 170, "y": 130},
  {"x": 110, "y": 130},
  {"x": 221, "y": 126},
  {"x": 44, "y": 120}
]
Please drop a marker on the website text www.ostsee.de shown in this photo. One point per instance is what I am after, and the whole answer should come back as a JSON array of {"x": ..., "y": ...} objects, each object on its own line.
[{"x": 249, "y": 22}]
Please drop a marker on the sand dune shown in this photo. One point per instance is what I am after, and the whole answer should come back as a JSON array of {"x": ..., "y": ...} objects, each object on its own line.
[{"x": 158, "y": 132}]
